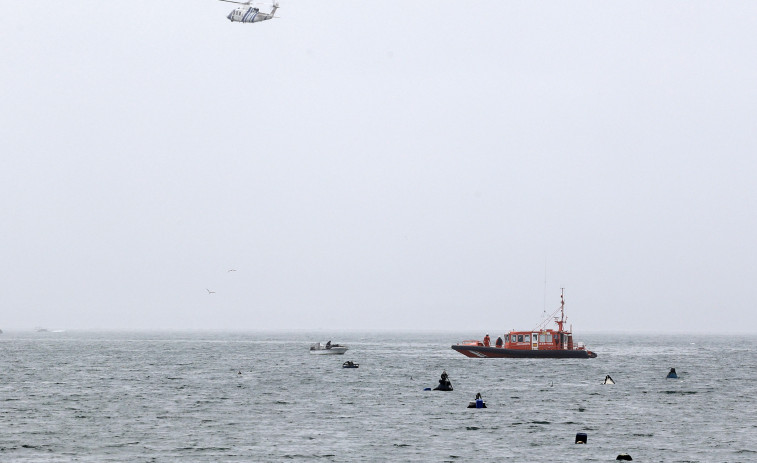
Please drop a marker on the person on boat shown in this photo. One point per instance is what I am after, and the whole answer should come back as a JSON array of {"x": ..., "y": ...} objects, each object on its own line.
[
  {"x": 499, "y": 341},
  {"x": 478, "y": 403},
  {"x": 328, "y": 345},
  {"x": 444, "y": 383},
  {"x": 487, "y": 340}
]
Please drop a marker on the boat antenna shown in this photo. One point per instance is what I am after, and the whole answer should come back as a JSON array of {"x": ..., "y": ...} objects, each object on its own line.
[
  {"x": 545, "y": 285},
  {"x": 553, "y": 316},
  {"x": 562, "y": 308}
]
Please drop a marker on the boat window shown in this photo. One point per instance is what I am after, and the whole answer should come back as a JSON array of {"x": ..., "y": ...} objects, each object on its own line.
[
  {"x": 527, "y": 338},
  {"x": 520, "y": 338}
]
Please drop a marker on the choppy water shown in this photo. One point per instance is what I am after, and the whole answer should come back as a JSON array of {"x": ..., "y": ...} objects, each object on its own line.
[{"x": 140, "y": 397}]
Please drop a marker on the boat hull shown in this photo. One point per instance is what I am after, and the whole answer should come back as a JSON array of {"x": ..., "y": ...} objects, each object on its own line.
[
  {"x": 332, "y": 351},
  {"x": 499, "y": 352}
]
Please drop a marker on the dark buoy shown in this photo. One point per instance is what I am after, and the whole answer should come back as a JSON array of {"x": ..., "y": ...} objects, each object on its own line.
[
  {"x": 624, "y": 456},
  {"x": 672, "y": 374},
  {"x": 426, "y": 388},
  {"x": 444, "y": 383},
  {"x": 581, "y": 438}
]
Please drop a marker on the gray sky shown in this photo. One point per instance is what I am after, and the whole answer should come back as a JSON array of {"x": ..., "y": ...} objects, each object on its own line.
[{"x": 364, "y": 165}]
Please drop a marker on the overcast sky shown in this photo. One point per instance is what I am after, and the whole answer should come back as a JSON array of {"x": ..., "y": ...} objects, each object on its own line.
[{"x": 379, "y": 165}]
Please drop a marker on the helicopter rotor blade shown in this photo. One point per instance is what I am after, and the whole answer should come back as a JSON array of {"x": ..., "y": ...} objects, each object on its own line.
[{"x": 232, "y": 1}]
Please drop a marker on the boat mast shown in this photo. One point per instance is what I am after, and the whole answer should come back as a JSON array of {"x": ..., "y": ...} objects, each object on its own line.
[{"x": 562, "y": 311}]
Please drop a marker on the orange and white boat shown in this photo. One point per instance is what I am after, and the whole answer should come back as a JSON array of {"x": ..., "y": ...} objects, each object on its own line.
[{"x": 537, "y": 343}]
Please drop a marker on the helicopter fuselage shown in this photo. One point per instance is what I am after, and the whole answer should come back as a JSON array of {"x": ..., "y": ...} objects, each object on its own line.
[{"x": 248, "y": 14}]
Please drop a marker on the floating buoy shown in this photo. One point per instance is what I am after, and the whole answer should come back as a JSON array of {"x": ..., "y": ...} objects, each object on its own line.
[
  {"x": 608, "y": 380},
  {"x": 581, "y": 438},
  {"x": 672, "y": 374},
  {"x": 427, "y": 389},
  {"x": 624, "y": 456}
]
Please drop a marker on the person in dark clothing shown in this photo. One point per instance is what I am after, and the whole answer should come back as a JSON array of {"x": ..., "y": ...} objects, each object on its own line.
[
  {"x": 444, "y": 383},
  {"x": 499, "y": 341}
]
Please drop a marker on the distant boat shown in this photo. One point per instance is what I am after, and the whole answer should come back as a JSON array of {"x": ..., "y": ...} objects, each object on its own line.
[
  {"x": 537, "y": 343},
  {"x": 40, "y": 329},
  {"x": 327, "y": 349},
  {"x": 350, "y": 364}
]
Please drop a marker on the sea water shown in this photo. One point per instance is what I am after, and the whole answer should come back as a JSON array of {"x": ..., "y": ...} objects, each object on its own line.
[{"x": 139, "y": 397}]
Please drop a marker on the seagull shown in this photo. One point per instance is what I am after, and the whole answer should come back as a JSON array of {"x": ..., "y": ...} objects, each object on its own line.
[
  {"x": 209, "y": 291},
  {"x": 232, "y": 270}
]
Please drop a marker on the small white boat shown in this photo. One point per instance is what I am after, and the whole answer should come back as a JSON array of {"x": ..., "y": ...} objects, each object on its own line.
[{"x": 327, "y": 349}]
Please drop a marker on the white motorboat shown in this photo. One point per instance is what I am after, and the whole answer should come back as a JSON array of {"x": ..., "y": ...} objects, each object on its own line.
[{"x": 327, "y": 349}]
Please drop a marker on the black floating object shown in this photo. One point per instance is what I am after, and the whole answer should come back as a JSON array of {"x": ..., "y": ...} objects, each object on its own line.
[
  {"x": 672, "y": 374},
  {"x": 624, "y": 456},
  {"x": 581, "y": 438},
  {"x": 444, "y": 383},
  {"x": 478, "y": 403}
]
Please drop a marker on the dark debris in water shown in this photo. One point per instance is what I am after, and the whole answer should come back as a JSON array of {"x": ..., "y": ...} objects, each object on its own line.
[
  {"x": 679, "y": 392},
  {"x": 472, "y": 428}
]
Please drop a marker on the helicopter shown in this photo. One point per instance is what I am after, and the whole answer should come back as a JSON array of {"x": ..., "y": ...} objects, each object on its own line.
[{"x": 250, "y": 14}]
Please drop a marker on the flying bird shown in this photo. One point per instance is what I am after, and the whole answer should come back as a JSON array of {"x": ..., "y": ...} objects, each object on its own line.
[
  {"x": 232, "y": 270},
  {"x": 209, "y": 291}
]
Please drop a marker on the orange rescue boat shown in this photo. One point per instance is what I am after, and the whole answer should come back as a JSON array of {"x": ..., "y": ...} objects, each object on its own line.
[{"x": 537, "y": 343}]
